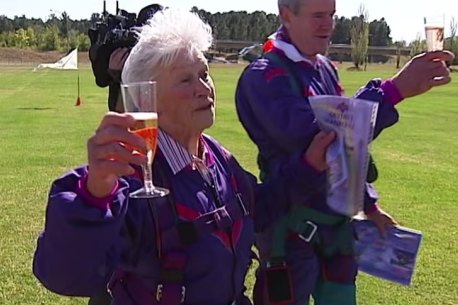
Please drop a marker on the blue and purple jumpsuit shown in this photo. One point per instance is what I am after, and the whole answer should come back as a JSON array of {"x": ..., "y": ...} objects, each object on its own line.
[
  {"x": 206, "y": 230},
  {"x": 280, "y": 121}
]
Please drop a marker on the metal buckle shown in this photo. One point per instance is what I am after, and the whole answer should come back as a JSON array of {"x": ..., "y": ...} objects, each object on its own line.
[
  {"x": 159, "y": 292},
  {"x": 275, "y": 262},
  {"x": 313, "y": 229},
  {"x": 183, "y": 293}
]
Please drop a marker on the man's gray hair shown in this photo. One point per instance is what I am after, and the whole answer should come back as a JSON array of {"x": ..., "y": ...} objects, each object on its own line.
[
  {"x": 166, "y": 36},
  {"x": 293, "y": 5}
]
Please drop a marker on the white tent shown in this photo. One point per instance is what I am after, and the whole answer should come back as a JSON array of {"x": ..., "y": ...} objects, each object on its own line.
[{"x": 68, "y": 62}]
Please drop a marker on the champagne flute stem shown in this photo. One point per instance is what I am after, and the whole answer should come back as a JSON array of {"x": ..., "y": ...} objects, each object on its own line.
[{"x": 147, "y": 173}]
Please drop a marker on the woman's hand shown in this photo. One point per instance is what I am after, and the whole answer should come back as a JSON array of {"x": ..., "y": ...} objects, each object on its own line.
[{"x": 110, "y": 155}]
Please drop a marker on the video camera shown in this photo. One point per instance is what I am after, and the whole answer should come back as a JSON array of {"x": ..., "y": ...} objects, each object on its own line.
[{"x": 112, "y": 32}]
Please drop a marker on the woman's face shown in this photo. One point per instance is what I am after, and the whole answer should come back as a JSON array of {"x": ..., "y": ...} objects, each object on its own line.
[{"x": 186, "y": 96}]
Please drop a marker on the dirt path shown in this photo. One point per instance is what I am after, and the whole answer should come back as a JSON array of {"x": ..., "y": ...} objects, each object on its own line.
[{"x": 24, "y": 56}]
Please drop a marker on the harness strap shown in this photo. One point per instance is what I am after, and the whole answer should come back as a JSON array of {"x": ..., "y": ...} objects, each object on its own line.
[
  {"x": 298, "y": 86},
  {"x": 186, "y": 233},
  {"x": 170, "y": 289},
  {"x": 306, "y": 223},
  {"x": 296, "y": 83},
  {"x": 300, "y": 213}
]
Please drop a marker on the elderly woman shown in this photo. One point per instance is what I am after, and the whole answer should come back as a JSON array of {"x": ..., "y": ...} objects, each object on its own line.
[{"x": 193, "y": 246}]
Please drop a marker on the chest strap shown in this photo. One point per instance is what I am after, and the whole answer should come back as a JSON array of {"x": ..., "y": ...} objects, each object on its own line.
[{"x": 185, "y": 233}]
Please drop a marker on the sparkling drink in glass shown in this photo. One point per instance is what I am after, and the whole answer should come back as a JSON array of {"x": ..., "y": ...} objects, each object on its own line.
[
  {"x": 434, "y": 32},
  {"x": 140, "y": 101}
]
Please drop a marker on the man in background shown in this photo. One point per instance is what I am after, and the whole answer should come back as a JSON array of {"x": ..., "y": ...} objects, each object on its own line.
[{"x": 310, "y": 252}]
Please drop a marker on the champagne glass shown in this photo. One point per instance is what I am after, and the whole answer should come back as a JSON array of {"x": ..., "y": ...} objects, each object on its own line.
[
  {"x": 140, "y": 101},
  {"x": 434, "y": 32}
]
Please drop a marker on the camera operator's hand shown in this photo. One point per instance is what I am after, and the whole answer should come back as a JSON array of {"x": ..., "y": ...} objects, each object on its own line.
[
  {"x": 116, "y": 63},
  {"x": 111, "y": 153}
]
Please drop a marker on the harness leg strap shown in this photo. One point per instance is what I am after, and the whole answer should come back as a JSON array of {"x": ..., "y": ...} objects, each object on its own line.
[{"x": 331, "y": 293}]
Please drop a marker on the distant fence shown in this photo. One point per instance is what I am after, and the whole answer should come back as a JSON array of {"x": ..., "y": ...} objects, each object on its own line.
[{"x": 233, "y": 46}]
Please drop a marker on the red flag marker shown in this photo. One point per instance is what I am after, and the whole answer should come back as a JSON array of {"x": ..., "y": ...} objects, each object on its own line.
[{"x": 78, "y": 99}]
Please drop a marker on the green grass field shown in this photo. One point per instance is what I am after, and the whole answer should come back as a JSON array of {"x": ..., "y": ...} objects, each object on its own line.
[{"x": 42, "y": 134}]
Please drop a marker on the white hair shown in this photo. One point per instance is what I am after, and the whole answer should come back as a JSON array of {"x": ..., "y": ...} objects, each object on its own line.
[
  {"x": 293, "y": 5},
  {"x": 167, "y": 35}
]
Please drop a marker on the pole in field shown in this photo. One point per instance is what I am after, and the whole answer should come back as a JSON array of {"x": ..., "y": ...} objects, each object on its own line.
[{"x": 78, "y": 99}]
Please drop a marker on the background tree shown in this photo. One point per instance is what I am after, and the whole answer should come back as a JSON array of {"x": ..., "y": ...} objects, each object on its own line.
[
  {"x": 21, "y": 39},
  {"x": 342, "y": 30},
  {"x": 359, "y": 37},
  {"x": 257, "y": 26},
  {"x": 233, "y": 25},
  {"x": 417, "y": 46},
  {"x": 51, "y": 40},
  {"x": 379, "y": 33},
  {"x": 64, "y": 27},
  {"x": 6, "y": 24},
  {"x": 453, "y": 29}
]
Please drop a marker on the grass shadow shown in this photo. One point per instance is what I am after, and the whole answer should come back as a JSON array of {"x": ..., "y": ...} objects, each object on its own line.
[
  {"x": 353, "y": 68},
  {"x": 34, "y": 108}
]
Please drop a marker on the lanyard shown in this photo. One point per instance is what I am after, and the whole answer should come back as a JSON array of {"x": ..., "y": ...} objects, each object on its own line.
[{"x": 209, "y": 179}]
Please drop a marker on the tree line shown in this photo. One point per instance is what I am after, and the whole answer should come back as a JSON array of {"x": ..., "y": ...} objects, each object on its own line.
[
  {"x": 63, "y": 33},
  {"x": 56, "y": 33}
]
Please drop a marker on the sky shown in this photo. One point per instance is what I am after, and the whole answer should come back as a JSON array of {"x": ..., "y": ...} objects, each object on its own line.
[{"x": 405, "y": 17}]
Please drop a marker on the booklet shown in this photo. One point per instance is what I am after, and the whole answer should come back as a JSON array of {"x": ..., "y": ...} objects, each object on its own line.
[
  {"x": 392, "y": 258},
  {"x": 353, "y": 121}
]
